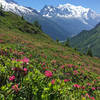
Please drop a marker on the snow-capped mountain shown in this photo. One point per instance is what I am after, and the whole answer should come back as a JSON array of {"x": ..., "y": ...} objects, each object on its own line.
[
  {"x": 11, "y": 5},
  {"x": 30, "y": 14},
  {"x": 72, "y": 18},
  {"x": 59, "y": 22},
  {"x": 68, "y": 11}
]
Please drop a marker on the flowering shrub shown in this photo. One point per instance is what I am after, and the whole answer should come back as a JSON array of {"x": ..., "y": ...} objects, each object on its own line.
[
  {"x": 48, "y": 73},
  {"x": 25, "y": 75},
  {"x": 15, "y": 88},
  {"x": 11, "y": 78}
]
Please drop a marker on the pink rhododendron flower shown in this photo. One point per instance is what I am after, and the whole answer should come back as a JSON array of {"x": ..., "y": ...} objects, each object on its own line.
[
  {"x": 70, "y": 65},
  {"x": 75, "y": 72},
  {"x": 43, "y": 63},
  {"x": 88, "y": 84},
  {"x": 30, "y": 55},
  {"x": 20, "y": 53},
  {"x": 18, "y": 60},
  {"x": 25, "y": 60},
  {"x": 82, "y": 87},
  {"x": 94, "y": 80},
  {"x": 93, "y": 88},
  {"x": 76, "y": 86},
  {"x": 87, "y": 95},
  {"x": 15, "y": 88},
  {"x": 52, "y": 81},
  {"x": 25, "y": 69},
  {"x": 44, "y": 68},
  {"x": 54, "y": 69},
  {"x": 13, "y": 59},
  {"x": 92, "y": 98},
  {"x": 48, "y": 73},
  {"x": 66, "y": 80},
  {"x": 62, "y": 66},
  {"x": 67, "y": 73},
  {"x": 12, "y": 78},
  {"x": 1, "y": 41}
]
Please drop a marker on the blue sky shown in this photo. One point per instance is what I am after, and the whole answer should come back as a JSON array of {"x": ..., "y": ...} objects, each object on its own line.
[{"x": 38, "y": 4}]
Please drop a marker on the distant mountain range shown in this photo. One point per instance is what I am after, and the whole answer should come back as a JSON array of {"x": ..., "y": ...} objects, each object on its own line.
[
  {"x": 88, "y": 39},
  {"x": 58, "y": 22}
]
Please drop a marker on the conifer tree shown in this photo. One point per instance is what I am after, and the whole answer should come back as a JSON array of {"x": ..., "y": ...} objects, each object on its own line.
[
  {"x": 1, "y": 11},
  {"x": 36, "y": 23},
  {"x": 22, "y": 18},
  {"x": 67, "y": 43},
  {"x": 57, "y": 40},
  {"x": 89, "y": 52}
]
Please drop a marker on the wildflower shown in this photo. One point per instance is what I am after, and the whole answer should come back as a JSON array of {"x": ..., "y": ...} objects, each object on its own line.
[
  {"x": 66, "y": 80},
  {"x": 82, "y": 87},
  {"x": 87, "y": 95},
  {"x": 67, "y": 73},
  {"x": 76, "y": 86},
  {"x": 12, "y": 78},
  {"x": 54, "y": 69},
  {"x": 52, "y": 81},
  {"x": 75, "y": 72},
  {"x": 48, "y": 73},
  {"x": 70, "y": 65},
  {"x": 93, "y": 88},
  {"x": 15, "y": 88},
  {"x": 43, "y": 63},
  {"x": 62, "y": 66},
  {"x": 44, "y": 68},
  {"x": 1, "y": 41},
  {"x": 30, "y": 55},
  {"x": 25, "y": 69},
  {"x": 92, "y": 98},
  {"x": 18, "y": 60},
  {"x": 94, "y": 80},
  {"x": 20, "y": 53},
  {"x": 25, "y": 60},
  {"x": 88, "y": 84}
]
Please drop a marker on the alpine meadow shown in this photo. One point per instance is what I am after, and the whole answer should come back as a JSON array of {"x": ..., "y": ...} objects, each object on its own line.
[{"x": 50, "y": 54}]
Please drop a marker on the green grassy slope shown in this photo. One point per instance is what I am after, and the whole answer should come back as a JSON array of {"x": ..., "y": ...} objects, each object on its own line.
[
  {"x": 13, "y": 22},
  {"x": 34, "y": 67},
  {"x": 89, "y": 39}
]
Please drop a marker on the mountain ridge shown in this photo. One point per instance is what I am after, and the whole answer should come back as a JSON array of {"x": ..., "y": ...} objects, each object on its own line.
[
  {"x": 83, "y": 18},
  {"x": 65, "y": 24},
  {"x": 88, "y": 39}
]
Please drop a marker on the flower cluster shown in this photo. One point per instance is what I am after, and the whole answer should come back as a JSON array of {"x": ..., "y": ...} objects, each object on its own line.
[{"x": 48, "y": 74}]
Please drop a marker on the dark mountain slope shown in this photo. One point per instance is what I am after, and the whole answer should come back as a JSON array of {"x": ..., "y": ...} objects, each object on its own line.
[{"x": 88, "y": 39}]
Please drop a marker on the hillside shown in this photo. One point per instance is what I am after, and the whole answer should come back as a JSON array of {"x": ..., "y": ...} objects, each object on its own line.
[
  {"x": 34, "y": 67},
  {"x": 88, "y": 39}
]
